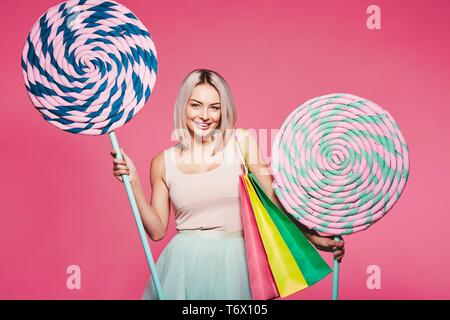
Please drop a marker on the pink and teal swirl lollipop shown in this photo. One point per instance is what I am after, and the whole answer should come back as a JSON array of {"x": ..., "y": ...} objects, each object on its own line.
[
  {"x": 340, "y": 163},
  {"x": 89, "y": 67}
]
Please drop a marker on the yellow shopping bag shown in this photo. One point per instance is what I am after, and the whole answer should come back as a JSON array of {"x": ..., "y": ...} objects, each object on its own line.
[{"x": 288, "y": 277}]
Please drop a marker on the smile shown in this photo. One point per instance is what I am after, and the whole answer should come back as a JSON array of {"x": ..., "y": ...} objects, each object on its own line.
[{"x": 202, "y": 125}]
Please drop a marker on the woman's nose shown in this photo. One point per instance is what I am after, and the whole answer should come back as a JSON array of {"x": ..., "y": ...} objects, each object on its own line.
[{"x": 204, "y": 114}]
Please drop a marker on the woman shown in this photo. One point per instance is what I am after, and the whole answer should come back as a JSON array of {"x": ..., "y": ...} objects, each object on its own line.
[{"x": 200, "y": 177}]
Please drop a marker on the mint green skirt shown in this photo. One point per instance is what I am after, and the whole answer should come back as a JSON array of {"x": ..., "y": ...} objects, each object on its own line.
[{"x": 202, "y": 265}]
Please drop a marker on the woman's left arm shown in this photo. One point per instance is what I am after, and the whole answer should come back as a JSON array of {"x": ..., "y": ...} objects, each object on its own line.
[{"x": 261, "y": 171}]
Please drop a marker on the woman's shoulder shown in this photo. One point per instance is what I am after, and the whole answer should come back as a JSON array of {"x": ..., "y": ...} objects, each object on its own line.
[
  {"x": 158, "y": 164},
  {"x": 241, "y": 132},
  {"x": 160, "y": 156}
]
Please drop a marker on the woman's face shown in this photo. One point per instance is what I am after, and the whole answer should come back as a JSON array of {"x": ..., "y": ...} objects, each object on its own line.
[{"x": 203, "y": 110}]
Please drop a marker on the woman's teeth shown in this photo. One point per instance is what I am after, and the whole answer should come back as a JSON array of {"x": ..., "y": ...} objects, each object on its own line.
[{"x": 202, "y": 125}]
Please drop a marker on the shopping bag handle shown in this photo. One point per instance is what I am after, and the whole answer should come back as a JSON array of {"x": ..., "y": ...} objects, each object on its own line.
[{"x": 243, "y": 159}]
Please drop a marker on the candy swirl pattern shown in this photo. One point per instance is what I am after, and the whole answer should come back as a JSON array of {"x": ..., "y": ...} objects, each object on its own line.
[
  {"x": 89, "y": 66},
  {"x": 340, "y": 163}
]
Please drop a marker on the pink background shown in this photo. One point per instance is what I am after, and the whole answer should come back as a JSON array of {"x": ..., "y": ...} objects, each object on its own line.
[{"x": 62, "y": 206}]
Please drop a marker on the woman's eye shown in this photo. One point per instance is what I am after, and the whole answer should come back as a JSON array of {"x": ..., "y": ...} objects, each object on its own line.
[
  {"x": 216, "y": 108},
  {"x": 195, "y": 105}
]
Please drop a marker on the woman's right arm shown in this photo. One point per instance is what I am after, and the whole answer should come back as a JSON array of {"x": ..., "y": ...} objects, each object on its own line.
[{"x": 154, "y": 215}]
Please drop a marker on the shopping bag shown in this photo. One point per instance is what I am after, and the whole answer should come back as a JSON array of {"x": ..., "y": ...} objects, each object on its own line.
[
  {"x": 286, "y": 273},
  {"x": 311, "y": 264},
  {"x": 280, "y": 260},
  {"x": 262, "y": 283}
]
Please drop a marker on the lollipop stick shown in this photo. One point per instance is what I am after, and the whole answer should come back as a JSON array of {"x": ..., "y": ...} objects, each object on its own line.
[
  {"x": 336, "y": 265},
  {"x": 137, "y": 219}
]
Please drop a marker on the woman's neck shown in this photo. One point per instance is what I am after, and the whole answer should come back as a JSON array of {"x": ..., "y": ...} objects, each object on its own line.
[{"x": 202, "y": 146}]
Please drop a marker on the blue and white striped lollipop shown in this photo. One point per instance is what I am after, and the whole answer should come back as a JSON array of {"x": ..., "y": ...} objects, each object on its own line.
[{"x": 89, "y": 66}]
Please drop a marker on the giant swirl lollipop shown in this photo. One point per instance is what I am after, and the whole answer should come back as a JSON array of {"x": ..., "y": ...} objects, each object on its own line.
[
  {"x": 340, "y": 163},
  {"x": 89, "y": 67}
]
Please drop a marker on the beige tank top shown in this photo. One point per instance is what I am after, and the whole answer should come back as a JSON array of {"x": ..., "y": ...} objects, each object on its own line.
[{"x": 207, "y": 200}]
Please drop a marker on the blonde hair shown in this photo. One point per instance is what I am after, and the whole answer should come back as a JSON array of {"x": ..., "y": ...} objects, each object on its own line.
[{"x": 227, "y": 107}]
